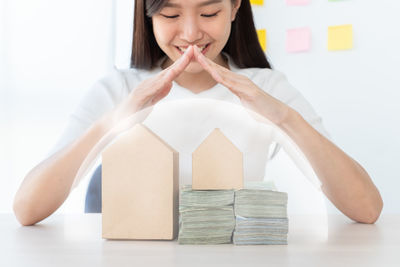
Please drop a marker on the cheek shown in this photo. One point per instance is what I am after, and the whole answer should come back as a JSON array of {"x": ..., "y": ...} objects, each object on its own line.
[
  {"x": 221, "y": 30},
  {"x": 162, "y": 32},
  {"x": 218, "y": 30}
]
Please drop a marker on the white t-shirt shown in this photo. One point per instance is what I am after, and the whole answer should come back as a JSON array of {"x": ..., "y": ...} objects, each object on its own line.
[{"x": 107, "y": 92}]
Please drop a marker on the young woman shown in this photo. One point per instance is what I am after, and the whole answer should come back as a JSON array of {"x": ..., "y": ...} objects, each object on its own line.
[{"x": 206, "y": 48}]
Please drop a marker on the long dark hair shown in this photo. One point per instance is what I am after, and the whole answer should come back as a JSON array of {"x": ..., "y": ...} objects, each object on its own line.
[{"x": 243, "y": 45}]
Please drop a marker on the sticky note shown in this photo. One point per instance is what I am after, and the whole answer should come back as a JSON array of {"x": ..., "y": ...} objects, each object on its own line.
[
  {"x": 262, "y": 38},
  {"x": 340, "y": 37},
  {"x": 298, "y": 40},
  {"x": 257, "y": 2},
  {"x": 297, "y": 2}
]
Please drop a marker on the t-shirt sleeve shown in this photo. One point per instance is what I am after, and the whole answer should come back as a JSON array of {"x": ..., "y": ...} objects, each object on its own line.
[
  {"x": 279, "y": 87},
  {"x": 101, "y": 97}
]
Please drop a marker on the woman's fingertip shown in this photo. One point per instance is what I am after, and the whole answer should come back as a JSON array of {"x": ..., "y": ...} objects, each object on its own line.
[{"x": 189, "y": 48}]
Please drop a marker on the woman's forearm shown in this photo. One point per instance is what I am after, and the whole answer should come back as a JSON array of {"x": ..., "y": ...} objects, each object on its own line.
[
  {"x": 346, "y": 184},
  {"x": 47, "y": 186}
]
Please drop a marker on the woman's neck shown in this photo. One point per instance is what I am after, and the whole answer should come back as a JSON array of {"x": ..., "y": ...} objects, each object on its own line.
[{"x": 196, "y": 82}]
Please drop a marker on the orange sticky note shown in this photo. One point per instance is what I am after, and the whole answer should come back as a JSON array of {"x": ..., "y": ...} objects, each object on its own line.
[
  {"x": 257, "y": 2},
  {"x": 340, "y": 37},
  {"x": 262, "y": 38}
]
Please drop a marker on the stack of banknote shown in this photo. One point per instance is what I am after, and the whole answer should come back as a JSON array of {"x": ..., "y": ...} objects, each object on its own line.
[
  {"x": 261, "y": 216},
  {"x": 205, "y": 217}
]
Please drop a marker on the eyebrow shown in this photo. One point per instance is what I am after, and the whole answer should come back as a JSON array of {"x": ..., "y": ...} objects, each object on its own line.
[{"x": 205, "y": 3}]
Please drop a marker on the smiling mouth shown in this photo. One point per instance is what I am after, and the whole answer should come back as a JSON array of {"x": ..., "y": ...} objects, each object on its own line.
[{"x": 203, "y": 49}]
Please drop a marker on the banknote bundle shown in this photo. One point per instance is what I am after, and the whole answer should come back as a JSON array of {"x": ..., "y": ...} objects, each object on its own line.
[
  {"x": 261, "y": 216},
  {"x": 205, "y": 216},
  {"x": 255, "y": 215}
]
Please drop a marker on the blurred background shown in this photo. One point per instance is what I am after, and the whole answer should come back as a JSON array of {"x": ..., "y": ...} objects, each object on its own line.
[{"x": 51, "y": 52}]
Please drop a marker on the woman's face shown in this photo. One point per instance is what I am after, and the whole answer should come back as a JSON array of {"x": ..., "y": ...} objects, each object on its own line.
[{"x": 194, "y": 22}]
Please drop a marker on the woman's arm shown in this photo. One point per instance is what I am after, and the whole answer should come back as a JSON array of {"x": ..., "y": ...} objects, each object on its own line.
[
  {"x": 47, "y": 186},
  {"x": 346, "y": 184},
  {"x": 343, "y": 180}
]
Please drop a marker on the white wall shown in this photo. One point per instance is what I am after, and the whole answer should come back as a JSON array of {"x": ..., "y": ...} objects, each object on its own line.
[
  {"x": 54, "y": 50},
  {"x": 356, "y": 92}
]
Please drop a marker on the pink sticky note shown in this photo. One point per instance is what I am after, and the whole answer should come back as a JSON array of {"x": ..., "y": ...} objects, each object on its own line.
[
  {"x": 297, "y": 2},
  {"x": 298, "y": 40}
]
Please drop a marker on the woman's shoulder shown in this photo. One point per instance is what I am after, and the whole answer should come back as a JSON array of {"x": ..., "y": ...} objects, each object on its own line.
[
  {"x": 255, "y": 74},
  {"x": 115, "y": 84},
  {"x": 132, "y": 76},
  {"x": 133, "y": 71},
  {"x": 263, "y": 77}
]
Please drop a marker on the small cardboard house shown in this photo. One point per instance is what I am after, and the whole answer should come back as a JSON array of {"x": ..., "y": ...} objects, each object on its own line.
[
  {"x": 217, "y": 164},
  {"x": 140, "y": 183}
]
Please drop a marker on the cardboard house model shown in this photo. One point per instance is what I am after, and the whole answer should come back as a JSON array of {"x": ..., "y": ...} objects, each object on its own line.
[
  {"x": 140, "y": 183},
  {"x": 217, "y": 164}
]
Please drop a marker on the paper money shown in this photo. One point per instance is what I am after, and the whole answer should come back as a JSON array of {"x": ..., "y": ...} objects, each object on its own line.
[
  {"x": 255, "y": 215},
  {"x": 206, "y": 216},
  {"x": 261, "y": 217}
]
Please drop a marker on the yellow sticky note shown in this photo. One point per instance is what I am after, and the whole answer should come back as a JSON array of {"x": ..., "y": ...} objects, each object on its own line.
[
  {"x": 340, "y": 37},
  {"x": 262, "y": 38},
  {"x": 257, "y": 2}
]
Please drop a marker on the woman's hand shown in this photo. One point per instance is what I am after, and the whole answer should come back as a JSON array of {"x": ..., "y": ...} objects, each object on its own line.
[
  {"x": 250, "y": 95},
  {"x": 152, "y": 90}
]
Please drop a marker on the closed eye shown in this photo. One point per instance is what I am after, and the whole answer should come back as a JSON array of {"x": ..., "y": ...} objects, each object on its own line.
[
  {"x": 211, "y": 15},
  {"x": 170, "y": 17},
  {"x": 204, "y": 15}
]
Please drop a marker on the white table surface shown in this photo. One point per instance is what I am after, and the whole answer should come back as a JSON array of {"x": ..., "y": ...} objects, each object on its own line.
[{"x": 75, "y": 240}]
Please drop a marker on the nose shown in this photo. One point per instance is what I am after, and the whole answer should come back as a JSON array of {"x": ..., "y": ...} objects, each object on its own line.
[{"x": 191, "y": 31}]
